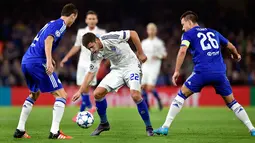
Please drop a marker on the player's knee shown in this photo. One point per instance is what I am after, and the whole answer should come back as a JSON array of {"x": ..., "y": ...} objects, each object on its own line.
[
  {"x": 60, "y": 93},
  {"x": 136, "y": 95},
  {"x": 34, "y": 95},
  {"x": 98, "y": 95}
]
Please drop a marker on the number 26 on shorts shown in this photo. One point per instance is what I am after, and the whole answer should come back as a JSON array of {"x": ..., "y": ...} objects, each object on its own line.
[{"x": 134, "y": 76}]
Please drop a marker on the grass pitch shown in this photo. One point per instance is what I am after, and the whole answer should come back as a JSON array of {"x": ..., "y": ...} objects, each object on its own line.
[{"x": 192, "y": 125}]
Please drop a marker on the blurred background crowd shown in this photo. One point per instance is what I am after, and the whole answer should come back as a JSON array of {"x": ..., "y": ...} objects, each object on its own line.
[{"x": 20, "y": 24}]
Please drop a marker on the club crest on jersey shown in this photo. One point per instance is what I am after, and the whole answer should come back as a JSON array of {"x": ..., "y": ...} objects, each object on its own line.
[
  {"x": 57, "y": 33},
  {"x": 113, "y": 48}
]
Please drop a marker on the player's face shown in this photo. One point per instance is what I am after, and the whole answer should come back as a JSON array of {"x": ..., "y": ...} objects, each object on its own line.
[
  {"x": 151, "y": 31},
  {"x": 93, "y": 47},
  {"x": 186, "y": 24},
  {"x": 91, "y": 20},
  {"x": 72, "y": 19}
]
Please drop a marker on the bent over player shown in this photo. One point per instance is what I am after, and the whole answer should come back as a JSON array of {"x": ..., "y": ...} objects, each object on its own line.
[
  {"x": 125, "y": 69},
  {"x": 37, "y": 67},
  {"x": 209, "y": 69}
]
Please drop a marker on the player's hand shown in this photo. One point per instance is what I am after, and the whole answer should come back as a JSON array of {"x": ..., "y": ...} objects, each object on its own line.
[
  {"x": 175, "y": 77},
  {"x": 63, "y": 62},
  {"x": 142, "y": 57},
  {"x": 76, "y": 96},
  {"x": 237, "y": 57},
  {"x": 49, "y": 67}
]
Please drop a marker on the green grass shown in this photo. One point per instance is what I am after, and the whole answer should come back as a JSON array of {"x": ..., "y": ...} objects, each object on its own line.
[{"x": 192, "y": 125}]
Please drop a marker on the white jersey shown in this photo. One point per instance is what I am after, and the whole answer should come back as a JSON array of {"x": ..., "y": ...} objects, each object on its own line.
[
  {"x": 117, "y": 50},
  {"x": 153, "y": 48},
  {"x": 84, "y": 59}
]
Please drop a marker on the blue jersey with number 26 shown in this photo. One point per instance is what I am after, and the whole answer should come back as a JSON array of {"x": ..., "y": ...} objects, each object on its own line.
[
  {"x": 36, "y": 51},
  {"x": 204, "y": 45}
]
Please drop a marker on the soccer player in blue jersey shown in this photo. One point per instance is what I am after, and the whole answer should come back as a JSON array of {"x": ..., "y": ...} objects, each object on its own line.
[
  {"x": 209, "y": 69},
  {"x": 38, "y": 69}
]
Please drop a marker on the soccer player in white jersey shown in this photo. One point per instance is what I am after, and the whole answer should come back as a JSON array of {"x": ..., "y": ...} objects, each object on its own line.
[
  {"x": 84, "y": 59},
  {"x": 125, "y": 69},
  {"x": 154, "y": 49}
]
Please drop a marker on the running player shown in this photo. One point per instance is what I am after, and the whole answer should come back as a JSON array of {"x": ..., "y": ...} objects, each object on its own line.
[{"x": 154, "y": 49}]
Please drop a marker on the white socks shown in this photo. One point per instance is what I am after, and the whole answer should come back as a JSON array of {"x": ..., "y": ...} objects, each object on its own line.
[
  {"x": 241, "y": 114},
  {"x": 175, "y": 108},
  {"x": 26, "y": 109},
  {"x": 58, "y": 111}
]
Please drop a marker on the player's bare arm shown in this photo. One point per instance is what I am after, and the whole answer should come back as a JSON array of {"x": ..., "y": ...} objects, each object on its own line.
[
  {"x": 234, "y": 53},
  {"x": 48, "y": 48},
  {"x": 136, "y": 40},
  {"x": 85, "y": 85},
  {"x": 179, "y": 61},
  {"x": 72, "y": 52}
]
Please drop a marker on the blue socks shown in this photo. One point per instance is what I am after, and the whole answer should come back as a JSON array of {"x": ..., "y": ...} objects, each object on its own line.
[
  {"x": 144, "y": 113},
  {"x": 155, "y": 93},
  {"x": 101, "y": 105},
  {"x": 85, "y": 102},
  {"x": 145, "y": 97}
]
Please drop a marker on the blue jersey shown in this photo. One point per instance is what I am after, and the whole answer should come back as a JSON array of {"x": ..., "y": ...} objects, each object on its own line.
[
  {"x": 204, "y": 45},
  {"x": 36, "y": 51}
]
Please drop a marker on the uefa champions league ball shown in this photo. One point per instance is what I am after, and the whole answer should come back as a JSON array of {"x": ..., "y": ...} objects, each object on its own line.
[{"x": 84, "y": 119}]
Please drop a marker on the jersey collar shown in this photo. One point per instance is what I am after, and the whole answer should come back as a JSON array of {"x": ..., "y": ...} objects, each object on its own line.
[{"x": 87, "y": 28}]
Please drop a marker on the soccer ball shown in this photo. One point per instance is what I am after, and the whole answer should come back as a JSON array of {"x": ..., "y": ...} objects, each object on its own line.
[{"x": 84, "y": 119}]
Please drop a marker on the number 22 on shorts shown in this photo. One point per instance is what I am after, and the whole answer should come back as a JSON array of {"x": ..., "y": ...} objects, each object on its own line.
[{"x": 134, "y": 76}]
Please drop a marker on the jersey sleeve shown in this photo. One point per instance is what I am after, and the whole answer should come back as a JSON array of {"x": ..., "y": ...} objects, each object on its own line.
[
  {"x": 118, "y": 35},
  {"x": 95, "y": 63},
  {"x": 56, "y": 29},
  {"x": 185, "y": 40},
  {"x": 78, "y": 40},
  {"x": 222, "y": 39}
]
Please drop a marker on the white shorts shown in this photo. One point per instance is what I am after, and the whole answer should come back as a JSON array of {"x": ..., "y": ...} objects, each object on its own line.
[
  {"x": 117, "y": 78},
  {"x": 149, "y": 78},
  {"x": 80, "y": 75}
]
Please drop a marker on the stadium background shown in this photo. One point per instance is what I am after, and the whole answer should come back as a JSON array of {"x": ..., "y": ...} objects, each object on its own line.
[{"x": 21, "y": 20}]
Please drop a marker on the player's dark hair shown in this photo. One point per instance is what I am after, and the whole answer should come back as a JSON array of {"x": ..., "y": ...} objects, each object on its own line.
[
  {"x": 69, "y": 9},
  {"x": 91, "y": 12},
  {"x": 87, "y": 38},
  {"x": 190, "y": 15}
]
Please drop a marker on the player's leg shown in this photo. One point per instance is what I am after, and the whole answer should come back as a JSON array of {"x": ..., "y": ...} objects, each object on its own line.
[
  {"x": 132, "y": 78},
  {"x": 144, "y": 86},
  {"x": 145, "y": 95},
  {"x": 142, "y": 109},
  {"x": 25, "y": 112},
  {"x": 186, "y": 90},
  {"x": 111, "y": 82},
  {"x": 101, "y": 105},
  {"x": 224, "y": 89},
  {"x": 152, "y": 77},
  {"x": 29, "y": 102},
  {"x": 51, "y": 83},
  {"x": 58, "y": 112},
  {"x": 151, "y": 88}
]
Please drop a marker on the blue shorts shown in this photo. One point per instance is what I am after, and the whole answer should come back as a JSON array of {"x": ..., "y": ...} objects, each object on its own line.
[
  {"x": 37, "y": 78},
  {"x": 220, "y": 82}
]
